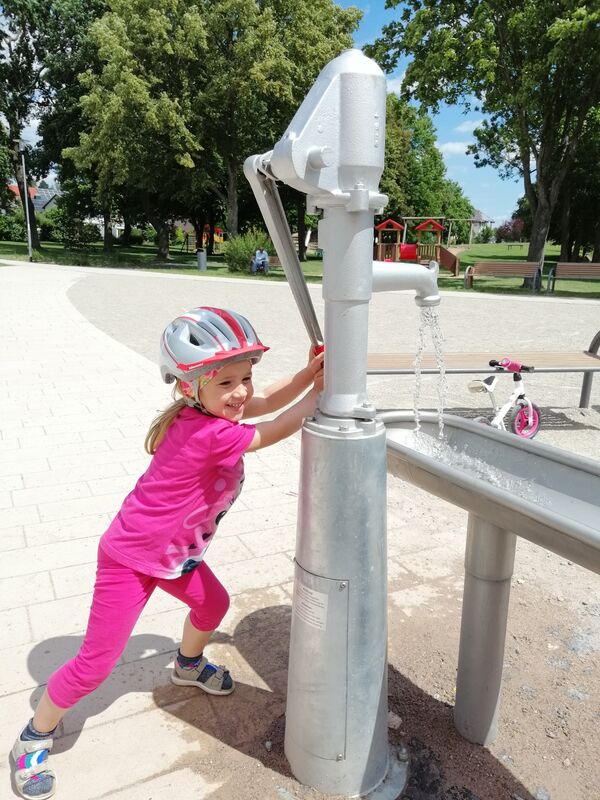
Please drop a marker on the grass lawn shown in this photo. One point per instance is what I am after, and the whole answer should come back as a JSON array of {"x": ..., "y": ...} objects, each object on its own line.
[
  {"x": 144, "y": 257},
  {"x": 514, "y": 252}
]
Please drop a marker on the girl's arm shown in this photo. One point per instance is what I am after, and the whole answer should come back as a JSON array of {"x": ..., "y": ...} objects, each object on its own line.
[
  {"x": 283, "y": 392},
  {"x": 284, "y": 425}
]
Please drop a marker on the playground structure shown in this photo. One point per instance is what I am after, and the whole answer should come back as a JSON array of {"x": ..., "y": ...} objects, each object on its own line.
[
  {"x": 336, "y": 719},
  {"x": 390, "y": 245}
]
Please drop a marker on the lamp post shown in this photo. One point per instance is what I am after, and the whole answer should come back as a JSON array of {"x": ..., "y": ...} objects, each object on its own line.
[{"x": 21, "y": 146}]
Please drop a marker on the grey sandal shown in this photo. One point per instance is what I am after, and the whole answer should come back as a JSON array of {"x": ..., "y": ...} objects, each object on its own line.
[
  {"x": 204, "y": 675},
  {"x": 33, "y": 777}
]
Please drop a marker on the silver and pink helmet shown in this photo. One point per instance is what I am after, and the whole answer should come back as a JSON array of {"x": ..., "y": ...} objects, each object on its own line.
[{"x": 204, "y": 339}]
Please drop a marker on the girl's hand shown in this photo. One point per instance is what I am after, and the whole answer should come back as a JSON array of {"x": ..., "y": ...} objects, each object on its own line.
[
  {"x": 316, "y": 365},
  {"x": 314, "y": 358}
]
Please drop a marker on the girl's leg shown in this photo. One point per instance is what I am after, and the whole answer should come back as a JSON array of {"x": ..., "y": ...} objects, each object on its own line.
[
  {"x": 119, "y": 597},
  {"x": 193, "y": 641},
  {"x": 47, "y": 714},
  {"x": 208, "y": 601}
]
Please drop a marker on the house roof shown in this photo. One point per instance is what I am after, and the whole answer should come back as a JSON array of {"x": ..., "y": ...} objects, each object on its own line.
[
  {"x": 389, "y": 224},
  {"x": 429, "y": 225},
  {"x": 41, "y": 198}
]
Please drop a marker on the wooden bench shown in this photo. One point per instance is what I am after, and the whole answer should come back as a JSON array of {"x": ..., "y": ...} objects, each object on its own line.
[
  {"x": 584, "y": 361},
  {"x": 573, "y": 271},
  {"x": 273, "y": 263},
  {"x": 505, "y": 269}
]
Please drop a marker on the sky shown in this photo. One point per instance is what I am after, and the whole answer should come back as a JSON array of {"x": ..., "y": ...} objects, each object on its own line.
[{"x": 494, "y": 197}]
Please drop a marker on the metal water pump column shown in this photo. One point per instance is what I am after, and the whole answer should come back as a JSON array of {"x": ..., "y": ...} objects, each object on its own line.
[{"x": 336, "y": 721}]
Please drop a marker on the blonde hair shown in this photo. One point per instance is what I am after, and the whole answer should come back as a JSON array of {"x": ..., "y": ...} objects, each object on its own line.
[{"x": 160, "y": 425}]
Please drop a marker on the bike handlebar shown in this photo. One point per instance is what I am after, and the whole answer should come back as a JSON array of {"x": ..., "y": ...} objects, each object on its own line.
[{"x": 506, "y": 364}]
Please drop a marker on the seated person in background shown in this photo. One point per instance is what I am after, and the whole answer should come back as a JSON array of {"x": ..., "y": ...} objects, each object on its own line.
[{"x": 260, "y": 261}]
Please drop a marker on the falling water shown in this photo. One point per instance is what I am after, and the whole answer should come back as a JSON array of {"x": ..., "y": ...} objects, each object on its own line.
[
  {"x": 430, "y": 319},
  {"x": 459, "y": 457}
]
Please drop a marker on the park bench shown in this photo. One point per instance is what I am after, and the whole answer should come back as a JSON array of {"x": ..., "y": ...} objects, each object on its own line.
[
  {"x": 274, "y": 262},
  {"x": 584, "y": 361},
  {"x": 578, "y": 271},
  {"x": 505, "y": 269}
]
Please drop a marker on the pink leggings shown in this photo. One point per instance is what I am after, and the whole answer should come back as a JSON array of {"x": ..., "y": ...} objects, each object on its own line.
[{"x": 120, "y": 595}]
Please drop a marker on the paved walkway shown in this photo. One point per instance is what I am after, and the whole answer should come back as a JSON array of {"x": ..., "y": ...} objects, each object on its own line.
[{"x": 78, "y": 390}]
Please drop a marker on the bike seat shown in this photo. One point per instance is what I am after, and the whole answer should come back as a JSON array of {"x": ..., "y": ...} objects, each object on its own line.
[{"x": 486, "y": 385}]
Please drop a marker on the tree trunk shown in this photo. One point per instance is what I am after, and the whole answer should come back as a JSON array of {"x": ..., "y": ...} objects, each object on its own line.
[
  {"x": 565, "y": 229},
  {"x": 17, "y": 167},
  {"x": 537, "y": 241},
  {"x": 108, "y": 235},
  {"x": 596, "y": 253},
  {"x": 539, "y": 232},
  {"x": 232, "y": 199},
  {"x": 126, "y": 236},
  {"x": 162, "y": 233},
  {"x": 301, "y": 208}
]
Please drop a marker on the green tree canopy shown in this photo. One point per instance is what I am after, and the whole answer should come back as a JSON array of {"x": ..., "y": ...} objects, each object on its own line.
[
  {"x": 414, "y": 176},
  {"x": 21, "y": 62},
  {"x": 532, "y": 65},
  {"x": 139, "y": 107}
]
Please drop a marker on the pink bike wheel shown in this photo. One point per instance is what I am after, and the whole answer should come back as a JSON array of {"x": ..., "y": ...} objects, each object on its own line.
[{"x": 519, "y": 421}]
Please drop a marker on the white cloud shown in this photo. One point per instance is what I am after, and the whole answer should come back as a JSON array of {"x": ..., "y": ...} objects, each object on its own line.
[
  {"x": 468, "y": 126},
  {"x": 394, "y": 85},
  {"x": 453, "y": 148}
]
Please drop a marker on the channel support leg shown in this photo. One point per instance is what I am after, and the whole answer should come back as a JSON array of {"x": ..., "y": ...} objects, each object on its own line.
[{"x": 489, "y": 562}]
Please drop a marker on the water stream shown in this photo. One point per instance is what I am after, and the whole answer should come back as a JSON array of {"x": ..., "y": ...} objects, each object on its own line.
[{"x": 430, "y": 320}]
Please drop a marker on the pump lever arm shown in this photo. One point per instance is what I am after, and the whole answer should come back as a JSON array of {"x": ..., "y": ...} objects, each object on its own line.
[{"x": 269, "y": 202}]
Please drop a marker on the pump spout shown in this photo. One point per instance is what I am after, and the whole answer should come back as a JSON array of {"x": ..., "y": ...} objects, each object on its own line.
[{"x": 390, "y": 276}]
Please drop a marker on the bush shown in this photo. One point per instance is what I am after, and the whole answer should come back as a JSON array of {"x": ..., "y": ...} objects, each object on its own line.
[
  {"x": 136, "y": 237},
  {"x": 51, "y": 224},
  {"x": 239, "y": 250},
  {"x": 176, "y": 236},
  {"x": 12, "y": 227},
  {"x": 485, "y": 235},
  {"x": 150, "y": 235},
  {"x": 76, "y": 234},
  {"x": 511, "y": 231}
]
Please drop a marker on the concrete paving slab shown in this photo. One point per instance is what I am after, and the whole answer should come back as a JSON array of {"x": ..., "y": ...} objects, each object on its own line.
[{"x": 84, "y": 431}]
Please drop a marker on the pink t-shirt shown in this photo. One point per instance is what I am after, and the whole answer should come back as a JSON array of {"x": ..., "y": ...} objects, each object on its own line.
[{"x": 166, "y": 523}]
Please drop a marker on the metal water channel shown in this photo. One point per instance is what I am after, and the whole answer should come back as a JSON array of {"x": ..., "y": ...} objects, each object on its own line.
[{"x": 336, "y": 718}]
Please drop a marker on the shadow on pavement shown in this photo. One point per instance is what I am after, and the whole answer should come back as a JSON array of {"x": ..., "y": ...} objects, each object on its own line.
[
  {"x": 256, "y": 716},
  {"x": 444, "y": 766}
]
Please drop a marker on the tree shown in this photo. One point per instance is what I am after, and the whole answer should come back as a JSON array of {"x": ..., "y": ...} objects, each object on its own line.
[
  {"x": 69, "y": 51},
  {"x": 21, "y": 64},
  {"x": 395, "y": 180},
  {"x": 532, "y": 65},
  {"x": 6, "y": 197},
  {"x": 139, "y": 107},
  {"x": 262, "y": 58},
  {"x": 576, "y": 222},
  {"x": 414, "y": 175},
  {"x": 455, "y": 207}
]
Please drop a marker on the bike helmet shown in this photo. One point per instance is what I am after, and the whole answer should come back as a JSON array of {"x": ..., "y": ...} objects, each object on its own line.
[{"x": 205, "y": 339}]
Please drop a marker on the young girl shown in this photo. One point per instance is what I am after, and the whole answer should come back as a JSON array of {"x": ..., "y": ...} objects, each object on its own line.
[{"x": 160, "y": 535}]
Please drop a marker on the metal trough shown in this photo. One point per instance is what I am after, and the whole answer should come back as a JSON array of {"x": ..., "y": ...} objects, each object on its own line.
[{"x": 510, "y": 487}]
